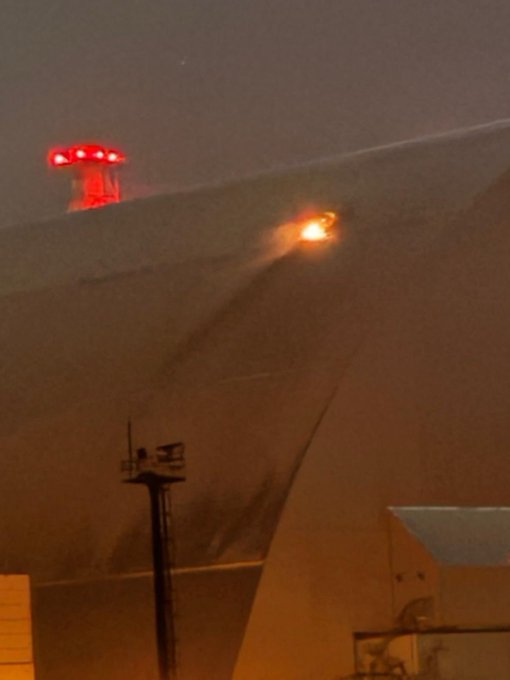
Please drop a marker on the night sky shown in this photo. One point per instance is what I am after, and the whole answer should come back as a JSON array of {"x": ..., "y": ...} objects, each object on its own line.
[{"x": 199, "y": 91}]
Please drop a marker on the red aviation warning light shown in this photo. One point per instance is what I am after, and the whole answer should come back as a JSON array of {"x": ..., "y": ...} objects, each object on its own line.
[{"x": 95, "y": 179}]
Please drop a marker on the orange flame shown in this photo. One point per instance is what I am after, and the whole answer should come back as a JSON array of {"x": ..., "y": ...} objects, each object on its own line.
[{"x": 318, "y": 228}]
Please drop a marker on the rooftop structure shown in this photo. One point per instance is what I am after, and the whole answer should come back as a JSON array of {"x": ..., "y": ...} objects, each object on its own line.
[{"x": 95, "y": 180}]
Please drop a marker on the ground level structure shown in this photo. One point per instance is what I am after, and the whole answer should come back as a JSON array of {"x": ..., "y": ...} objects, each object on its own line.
[{"x": 333, "y": 400}]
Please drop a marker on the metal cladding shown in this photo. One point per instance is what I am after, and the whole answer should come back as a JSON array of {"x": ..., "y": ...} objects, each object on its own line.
[{"x": 315, "y": 388}]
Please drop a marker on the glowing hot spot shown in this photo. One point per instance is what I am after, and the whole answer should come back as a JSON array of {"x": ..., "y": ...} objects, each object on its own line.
[
  {"x": 318, "y": 228},
  {"x": 313, "y": 231}
]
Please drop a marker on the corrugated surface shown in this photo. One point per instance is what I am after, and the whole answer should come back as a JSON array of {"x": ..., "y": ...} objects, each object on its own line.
[{"x": 16, "y": 657}]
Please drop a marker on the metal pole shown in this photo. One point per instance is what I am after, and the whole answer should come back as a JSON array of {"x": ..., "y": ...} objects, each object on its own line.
[
  {"x": 158, "y": 473},
  {"x": 165, "y": 512},
  {"x": 158, "y": 560}
]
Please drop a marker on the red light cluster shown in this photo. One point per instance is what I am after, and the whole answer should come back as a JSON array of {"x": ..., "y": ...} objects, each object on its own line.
[{"x": 85, "y": 153}]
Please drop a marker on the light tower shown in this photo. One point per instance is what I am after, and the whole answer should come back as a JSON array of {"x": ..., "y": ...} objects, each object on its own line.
[
  {"x": 158, "y": 471},
  {"x": 94, "y": 169}
]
